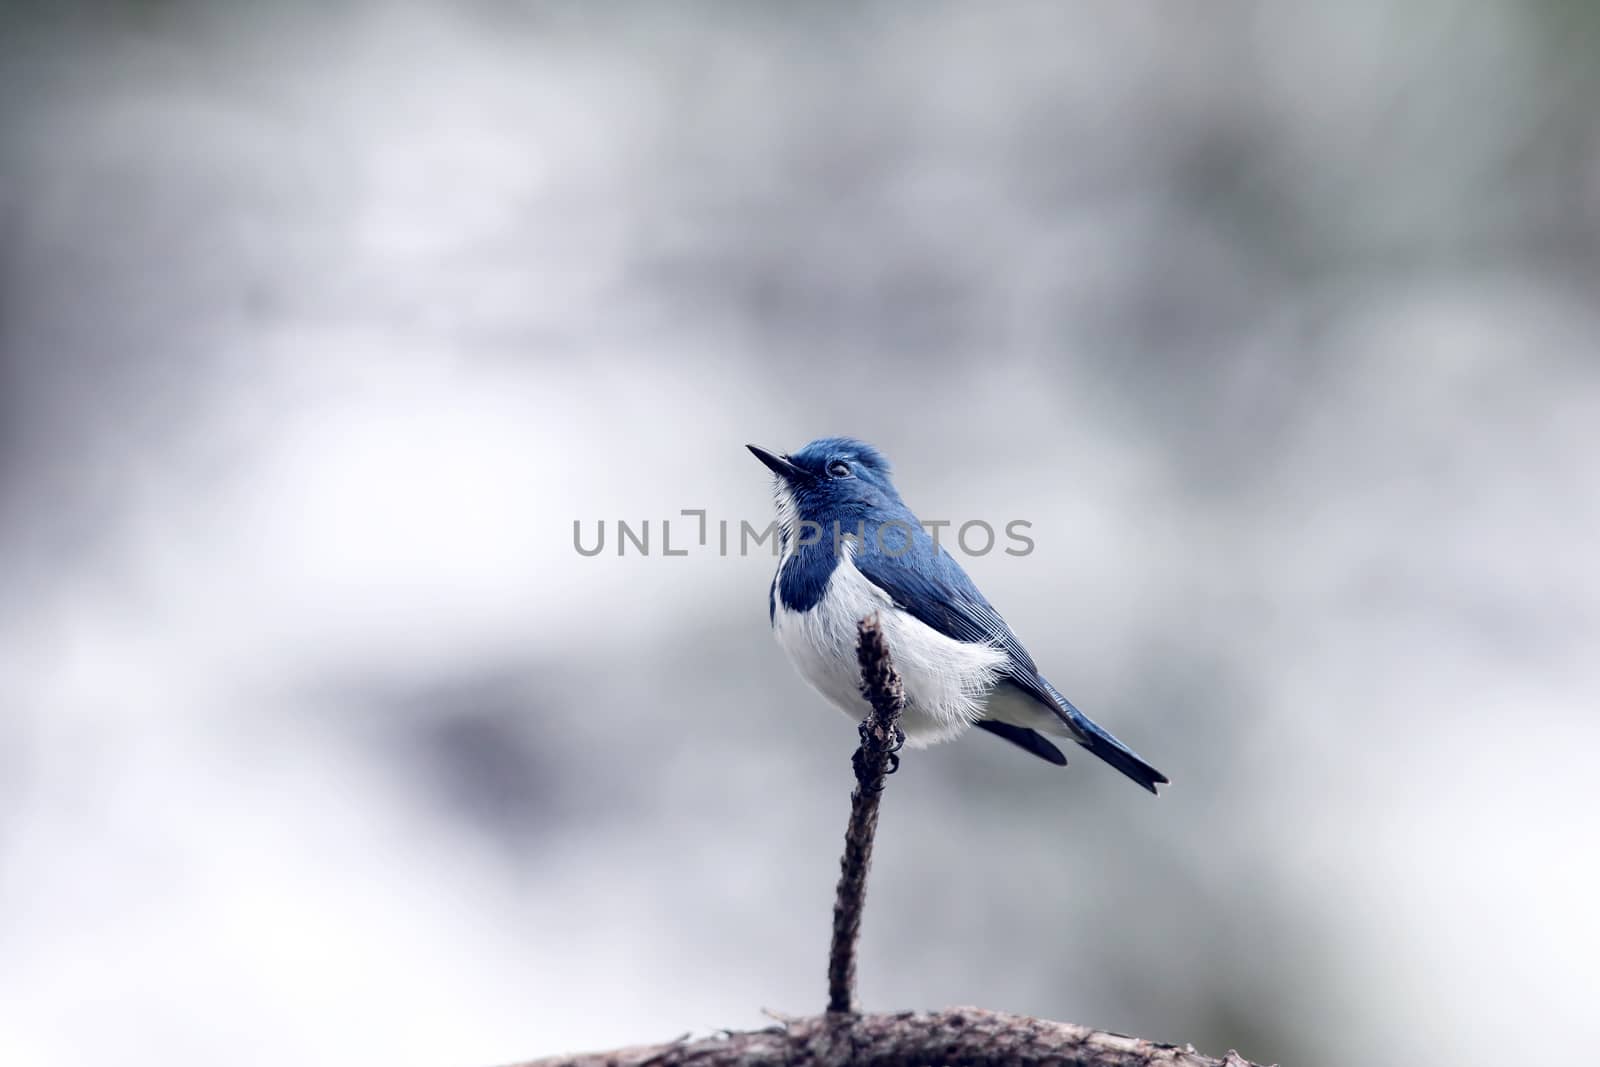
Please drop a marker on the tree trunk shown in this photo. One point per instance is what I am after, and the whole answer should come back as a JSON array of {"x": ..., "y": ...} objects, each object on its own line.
[{"x": 971, "y": 1037}]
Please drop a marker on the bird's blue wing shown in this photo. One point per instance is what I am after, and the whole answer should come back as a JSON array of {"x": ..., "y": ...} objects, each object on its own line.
[{"x": 927, "y": 583}]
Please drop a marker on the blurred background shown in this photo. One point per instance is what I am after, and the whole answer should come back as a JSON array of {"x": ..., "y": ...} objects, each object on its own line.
[{"x": 321, "y": 325}]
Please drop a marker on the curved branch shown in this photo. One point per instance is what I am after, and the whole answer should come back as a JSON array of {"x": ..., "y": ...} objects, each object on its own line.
[
  {"x": 969, "y": 1036},
  {"x": 972, "y": 1037},
  {"x": 880, "y": 737}
]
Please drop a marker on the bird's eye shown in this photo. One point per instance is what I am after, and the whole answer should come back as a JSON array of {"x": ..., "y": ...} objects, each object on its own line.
[{"x": 839, "y": 469}]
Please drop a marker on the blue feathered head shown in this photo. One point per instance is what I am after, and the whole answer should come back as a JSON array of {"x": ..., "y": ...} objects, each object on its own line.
[{"x": 833, "y": 476}]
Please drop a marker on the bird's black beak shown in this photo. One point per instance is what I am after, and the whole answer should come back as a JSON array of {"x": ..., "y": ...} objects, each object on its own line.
[{"x": 779, "y": 465}]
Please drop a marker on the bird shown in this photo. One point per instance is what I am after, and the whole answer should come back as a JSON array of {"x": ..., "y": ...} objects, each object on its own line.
[{"x": 849, "y": 548}]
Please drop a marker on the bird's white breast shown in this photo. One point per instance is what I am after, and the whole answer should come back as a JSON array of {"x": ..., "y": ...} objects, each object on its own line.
[{"x": 947, "y": 682}]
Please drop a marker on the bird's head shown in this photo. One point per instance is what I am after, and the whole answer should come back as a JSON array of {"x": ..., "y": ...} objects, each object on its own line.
[{"x": 831, "y": 478}]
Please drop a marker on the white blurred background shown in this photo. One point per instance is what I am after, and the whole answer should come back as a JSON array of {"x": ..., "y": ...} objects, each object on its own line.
[{"x": 319, "y": 743}]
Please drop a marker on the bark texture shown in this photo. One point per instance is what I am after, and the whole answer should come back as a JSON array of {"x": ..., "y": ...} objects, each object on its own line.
[
  {"x": 971, "y": 1037},
  {"x": 880, "y": 738}
]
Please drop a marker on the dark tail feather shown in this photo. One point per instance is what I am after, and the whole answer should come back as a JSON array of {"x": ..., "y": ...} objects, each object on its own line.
[
  {"x": 1023, "y": 737},
  {"x": 1119, "y": 755},
  {"x": 1108, "y": 748}
]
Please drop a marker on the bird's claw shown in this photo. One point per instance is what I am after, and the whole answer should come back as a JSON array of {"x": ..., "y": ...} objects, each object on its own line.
[
  {"x": 871, "y": 743},
  {"x": 869, "y": 736}
]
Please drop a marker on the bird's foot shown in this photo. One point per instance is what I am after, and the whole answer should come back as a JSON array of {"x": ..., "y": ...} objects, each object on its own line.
[{"x": 871, "y": 742}]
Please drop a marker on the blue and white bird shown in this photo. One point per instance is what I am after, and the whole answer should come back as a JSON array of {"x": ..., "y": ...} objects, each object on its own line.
[{"x": 848, "y": 548}]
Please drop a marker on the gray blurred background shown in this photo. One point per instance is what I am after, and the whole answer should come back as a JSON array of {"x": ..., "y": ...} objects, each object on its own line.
[{"x": 319, "y": 743}]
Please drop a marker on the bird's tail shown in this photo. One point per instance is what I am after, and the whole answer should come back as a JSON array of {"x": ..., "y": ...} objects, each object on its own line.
[{"x": 1091, "y": 736}]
